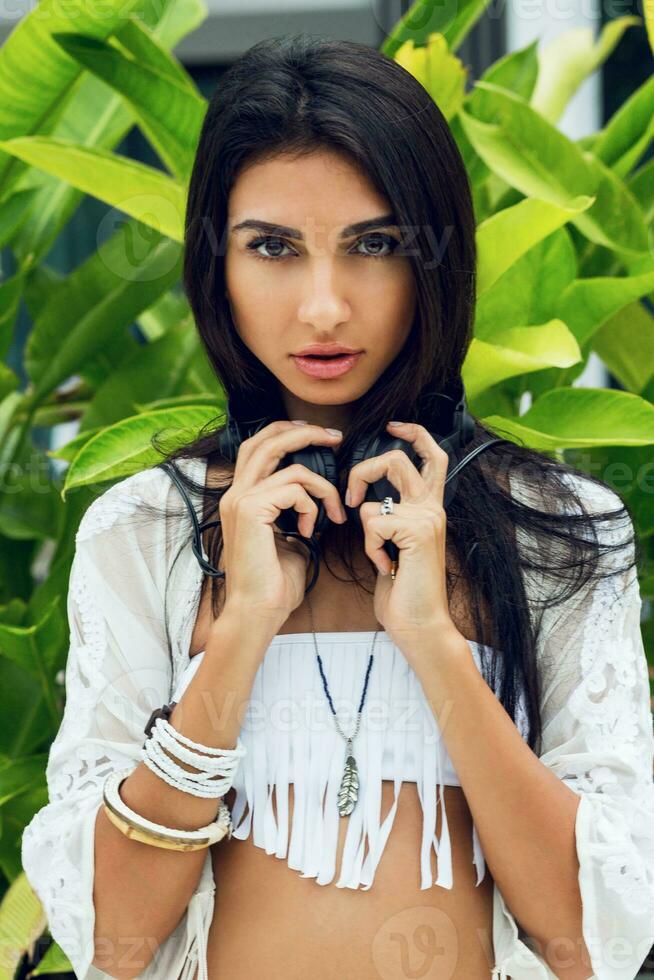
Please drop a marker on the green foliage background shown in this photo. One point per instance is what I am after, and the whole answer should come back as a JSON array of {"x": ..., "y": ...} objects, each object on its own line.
[{"x": 566, "y": 267}]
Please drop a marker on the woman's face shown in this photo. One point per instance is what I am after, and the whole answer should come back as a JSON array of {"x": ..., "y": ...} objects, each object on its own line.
[{"x": 305, "y": 284}]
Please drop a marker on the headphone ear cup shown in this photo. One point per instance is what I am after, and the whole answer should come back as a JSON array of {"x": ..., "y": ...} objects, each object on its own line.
[{"x": 320, "y": 460}]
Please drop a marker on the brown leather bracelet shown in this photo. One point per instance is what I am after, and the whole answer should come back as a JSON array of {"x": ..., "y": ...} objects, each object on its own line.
[{"x": 164, "y": 712}]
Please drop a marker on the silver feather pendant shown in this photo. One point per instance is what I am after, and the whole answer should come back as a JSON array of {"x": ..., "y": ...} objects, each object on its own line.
[{"x": 349, "y": 789}]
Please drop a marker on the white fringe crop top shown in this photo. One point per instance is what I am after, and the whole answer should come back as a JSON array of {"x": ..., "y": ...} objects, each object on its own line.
[{"x": 290, "y": 737}]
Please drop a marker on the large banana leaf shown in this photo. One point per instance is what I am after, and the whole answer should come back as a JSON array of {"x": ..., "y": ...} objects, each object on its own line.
[
  {"x": 119, "y": 281},
  {"x": 167, "y": 111},
  {"x": 154, "y": 370},
  {"x": 35, "y": 73},
  {"x": 95, "y": 115},
  {"x": 149, "y": 43},
  {"x": 135, "y": 188}
]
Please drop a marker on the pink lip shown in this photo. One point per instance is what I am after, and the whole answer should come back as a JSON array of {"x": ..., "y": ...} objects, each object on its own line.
[{"x": 332, "y": 368}]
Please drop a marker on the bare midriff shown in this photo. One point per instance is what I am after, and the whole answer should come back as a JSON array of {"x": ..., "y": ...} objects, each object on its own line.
[{"x": 270, "y": 923}]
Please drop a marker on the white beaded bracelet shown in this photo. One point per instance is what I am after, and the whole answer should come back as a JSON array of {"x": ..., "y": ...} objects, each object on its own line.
[
  {"x": 220, "y": 763},
  {"x": 183, "y": 787},
  {"x": 198, "y": 784},
  {"x": 239, "y": 750},
  {"x": 209, "y": 762}
]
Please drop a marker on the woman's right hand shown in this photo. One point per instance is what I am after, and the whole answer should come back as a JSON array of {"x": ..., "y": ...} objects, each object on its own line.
[{"x": 265, "y": 575}]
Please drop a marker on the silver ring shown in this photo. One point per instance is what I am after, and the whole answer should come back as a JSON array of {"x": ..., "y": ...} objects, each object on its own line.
[{"x": 386, "y": 506}]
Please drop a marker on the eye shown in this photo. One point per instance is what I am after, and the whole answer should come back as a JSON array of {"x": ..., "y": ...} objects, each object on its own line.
[
  {"x": 266, "y": 240},
  {"x": 376, "y": 240}
]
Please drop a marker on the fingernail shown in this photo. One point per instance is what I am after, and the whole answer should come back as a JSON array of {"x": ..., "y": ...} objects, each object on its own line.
[
  {"x": 335, "y": 432},
  {"x": 348, "y": 497},
  {"x": 299, "y": 421},
  {"x": 396, "y": 423}
]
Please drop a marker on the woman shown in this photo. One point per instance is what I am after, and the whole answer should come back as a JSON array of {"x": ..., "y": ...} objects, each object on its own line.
[{"x": 499, "y": 811}]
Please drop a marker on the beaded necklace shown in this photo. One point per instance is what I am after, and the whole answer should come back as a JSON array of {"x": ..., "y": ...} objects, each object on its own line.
[{"x": 349, "y": 788}]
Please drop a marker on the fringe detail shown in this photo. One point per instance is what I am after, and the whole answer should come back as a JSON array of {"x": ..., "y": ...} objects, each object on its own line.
[
  {"x": 200, "y": 913},
  {"x": 290, "y": 736}
]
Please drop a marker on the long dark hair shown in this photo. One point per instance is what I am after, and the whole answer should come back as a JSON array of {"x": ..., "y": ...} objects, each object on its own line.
[{"x": 298, "y": 94}]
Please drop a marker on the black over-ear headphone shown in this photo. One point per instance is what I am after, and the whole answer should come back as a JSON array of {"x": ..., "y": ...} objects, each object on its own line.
[{"x": 443, "y": 413}]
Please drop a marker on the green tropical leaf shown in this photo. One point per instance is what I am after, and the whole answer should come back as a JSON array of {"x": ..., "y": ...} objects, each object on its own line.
[
  {"x": 149, "y": 45},
  {"x": 129, "y": 272},
  {"x": 440, "y": 72},
  {"x": 625, "y": 342},
  {"x": 10, "y": 294},
  {"x": 54, "y": 961},
  {"x": 21, "y": 775},
  {"x": 629, "y": 132},
  {"x": 527, "y": 291},
  {"x": 70, "y": 450},
  {"x": 518, "y": 350},
  {"x": 586, "y": 304},
  {"x": 516, "y": 71},
  {"x": 641, "y": 185},
  {"x": 22, "y": 920},
  {"x": 154, "y": 369},
  {"x": 125, "y": 447},
  {"x": 532, "y": 155},
  {"x": 94, "y": 115},
  {"x": 219, "y": 403},
  {"x": 35, "y": 74},
  {"x": 169, "y": 113},
  {"x": 504, "y": 237},
  {"x": 569, "y": 59},
  {"x": 170, "y": 308},
  {"x": 144, "y": 193},
  {"x": 34, "y": 647},
  {"x": 424, "y": 17},
  {"x": 16, "y": 814},
  {"x": 580, "y": 417}
]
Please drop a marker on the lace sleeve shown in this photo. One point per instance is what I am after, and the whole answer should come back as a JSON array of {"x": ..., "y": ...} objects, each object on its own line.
[
  {"x": 118, "y": 669},
  {"x": 597, "y": 737}
]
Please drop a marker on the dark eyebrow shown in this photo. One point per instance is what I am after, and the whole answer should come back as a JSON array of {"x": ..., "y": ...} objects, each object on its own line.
[{"x": 382, "y": 221}]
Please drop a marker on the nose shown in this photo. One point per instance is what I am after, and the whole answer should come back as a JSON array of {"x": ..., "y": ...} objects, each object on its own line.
[{"x": 324, "y": 303}]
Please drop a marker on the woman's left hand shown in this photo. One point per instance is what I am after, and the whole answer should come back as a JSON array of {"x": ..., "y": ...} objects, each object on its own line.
[{"x": 415, "y": 604}]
